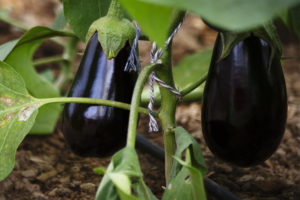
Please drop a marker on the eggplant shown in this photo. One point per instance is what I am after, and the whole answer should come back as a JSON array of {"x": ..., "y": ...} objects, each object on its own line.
[
  {"x": 244, "y": 106},
  {"x": 93, "y": 130}
]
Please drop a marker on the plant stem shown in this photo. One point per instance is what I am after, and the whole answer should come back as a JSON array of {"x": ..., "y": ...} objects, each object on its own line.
[
  {"x": 48, "y": 60},
  {"x": 66, "y": 66},
  {"x": 168, "y": 101},
  {"x": 193, "y": 86},
  {"x": 103, "y": 102},
  {"x": 115, "y": 9},
  {"x": 135, "y": 102},
  {"x": 167, "y": 110}
]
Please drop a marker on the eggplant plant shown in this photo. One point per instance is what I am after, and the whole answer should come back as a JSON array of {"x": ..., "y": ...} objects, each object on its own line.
[{"x": 244, "y": 100}]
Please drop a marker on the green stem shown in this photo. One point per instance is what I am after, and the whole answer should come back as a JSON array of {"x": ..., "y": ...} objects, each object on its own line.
[
  {"x": 115, "y": 9},
  {"x": 168, "y": 101},
  {"x": 103, "y": 102},
  {"x": 66, "y": 66},
  {"x": 48, "y": 60},
  {"x": 193, "y": 86},
  {"x": 167, "y": 111},
  {"x": 135, "y": 102}
]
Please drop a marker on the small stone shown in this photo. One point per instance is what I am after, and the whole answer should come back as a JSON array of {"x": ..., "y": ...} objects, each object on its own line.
[
  {"x": 75, "y": 169},
  {"x": 29, "y": 173},
  {"x": 39, "y": 196},
  {"x": 52, "y": 193},
  {"x": 65, "y": 180},
  {"x": 225, "y": 168},
  {"x": 44, "y": 176},
  {"x": 75, "y": 184},
  {"x": 245, "y": 178},
  {"x": 88, "y": 187},
  {"x": 281, "y": 152},
  {"x": 259, "y": 178},
  {"x": 62, "y": 191},
  {"x": 33, "y": 187},
  {"x": 36, "y": 159},
  {"x": 60, "y": 168}
]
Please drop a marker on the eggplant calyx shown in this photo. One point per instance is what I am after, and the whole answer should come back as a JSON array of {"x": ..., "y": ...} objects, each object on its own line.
[
  {"x": 113, "y": 34},
  {"x": 267, "y": 32}
]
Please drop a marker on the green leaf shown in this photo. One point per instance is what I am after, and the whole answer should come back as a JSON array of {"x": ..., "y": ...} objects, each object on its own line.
[
  {"x": 18, "y": 111},
  {"x": 179, "y": 187},
  {"x": 188, "y": 183},
  {"x": 154, "y": 20},
  {"x": 18, "y": 53},
  {"x": 187, "y": 71},
  {"x": 60, "y": 22},
  {"x": 81, "y": 14},
  {"x": 295, "y": 19},
  {"x": 48, "y": 75},
  {"x": 195, "y": 178},
  {"x": 184, "y": 141},
  {"x": 123, "y": 175},
  {"x": 291, "y": 19},
  {"x": 231, "y": 14}
]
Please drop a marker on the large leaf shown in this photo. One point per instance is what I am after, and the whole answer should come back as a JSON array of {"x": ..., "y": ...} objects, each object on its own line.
[
  {"x": 18, "y": 111},
  {"x": 187, "y": 71},
  {"x": 18, "y": 53},
  {"x": 81, "y": 14},
  {"x": 291, "y": 17},
  {"x": 231, "y": 14},
  {"x": 154, "y": 20}
]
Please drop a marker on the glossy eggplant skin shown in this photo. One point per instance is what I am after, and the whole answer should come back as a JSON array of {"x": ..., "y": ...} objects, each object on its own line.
[
  {"x": 93, "y": 130},
  {"x": 244, "y": 103}
]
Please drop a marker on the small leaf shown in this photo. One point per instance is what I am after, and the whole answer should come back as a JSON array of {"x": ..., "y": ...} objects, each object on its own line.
[
  {"x": 185, "y": 141},
  {"x": 179, "y": 187},
  {"x": 123, "y": 175},
  {"x": 81, "y": 14},
  {"x": 18, "y": 111},
  {"x": 99, "y": 170},
  {"x": 194, "y": 178}
]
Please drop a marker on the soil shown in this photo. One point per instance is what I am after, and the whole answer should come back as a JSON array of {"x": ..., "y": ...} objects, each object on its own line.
[{"x": 46, "y": 168}]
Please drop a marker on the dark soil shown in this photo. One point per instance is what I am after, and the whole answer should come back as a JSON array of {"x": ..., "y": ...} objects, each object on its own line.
[{"x": 46, "y": 168}]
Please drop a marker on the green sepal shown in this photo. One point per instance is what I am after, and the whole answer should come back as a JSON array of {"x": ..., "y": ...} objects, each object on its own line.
[
  {"x": 267, "y": 32},
  {"x": 113, "y": 33},
  {"x": 229, "y": 40}
]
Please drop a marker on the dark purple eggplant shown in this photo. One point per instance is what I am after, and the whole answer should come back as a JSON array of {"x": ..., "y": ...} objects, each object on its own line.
[
  {"x": 93, "y": 130},
  {"x": 244, "y": 103}
]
